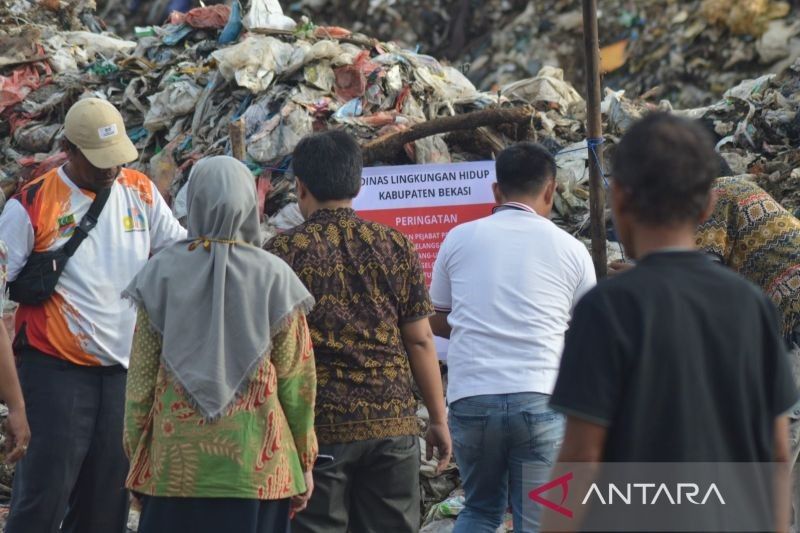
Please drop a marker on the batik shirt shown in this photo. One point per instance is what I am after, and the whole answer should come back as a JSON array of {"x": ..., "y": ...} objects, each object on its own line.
[
  {"x": 258, "y": 449},
  {"x": 367, "y": 281},
  {"x": 754, "y": 235},
  {"x": 86, "y": 322}
]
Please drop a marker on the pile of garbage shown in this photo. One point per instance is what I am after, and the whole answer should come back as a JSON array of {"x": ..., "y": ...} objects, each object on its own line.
[
  {"x": 689, "y": 52},
  {"x": 181, "y": 85}
]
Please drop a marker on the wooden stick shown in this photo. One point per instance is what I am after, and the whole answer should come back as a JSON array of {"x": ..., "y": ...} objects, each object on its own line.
[
  {"x": 237, "y": 139},
  {"x": 387, "y": 146},
  {"x": 594, "y": 129}
]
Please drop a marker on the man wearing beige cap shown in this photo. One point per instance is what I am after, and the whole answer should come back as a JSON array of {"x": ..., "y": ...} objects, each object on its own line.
[{"x": 73, "y": 347}]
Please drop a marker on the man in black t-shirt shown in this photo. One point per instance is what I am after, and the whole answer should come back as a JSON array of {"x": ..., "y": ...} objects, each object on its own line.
[{"x": 679, "y": 359}]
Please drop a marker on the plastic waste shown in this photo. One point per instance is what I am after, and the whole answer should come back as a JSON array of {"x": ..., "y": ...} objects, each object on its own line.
[
  {"x": 95, "y": 44},
  {"x": 234, "y": 25},
  {"x": 280, "y": 134},
  {"x": 549, "y": 87},
  {"x": 21, "y": 81},
  {"x": 36, "y": 137},
  {"x": 177, "y": 99},
  {"x": 209, "y": 17},
  {"x": 353, "y": 108},
  {"x": 255, "y": 62},
  {"x": 176, "y": 33},
  {"x": 267, "y": 14},
  {"x": 449, "y": 508}
]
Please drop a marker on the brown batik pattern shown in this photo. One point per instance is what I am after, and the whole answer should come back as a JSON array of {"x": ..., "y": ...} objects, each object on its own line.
[{"x": 367, "y": 280}]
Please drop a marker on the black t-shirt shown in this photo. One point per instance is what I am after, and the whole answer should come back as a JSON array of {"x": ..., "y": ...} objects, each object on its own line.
[{"x": 681, "y": 359}]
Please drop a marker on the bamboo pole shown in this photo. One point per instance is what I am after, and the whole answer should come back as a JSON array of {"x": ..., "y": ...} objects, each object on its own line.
[{"x": 594, "y": 130}]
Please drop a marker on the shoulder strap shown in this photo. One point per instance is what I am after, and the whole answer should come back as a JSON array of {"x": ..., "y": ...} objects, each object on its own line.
[{"x": 88, "y": 222}]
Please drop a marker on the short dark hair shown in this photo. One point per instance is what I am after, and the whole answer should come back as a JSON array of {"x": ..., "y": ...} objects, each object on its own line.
[
  {"x": 524, "y": 168},
  {"x": 667, "y": 165},
  {"x": 329, "y": 164}
]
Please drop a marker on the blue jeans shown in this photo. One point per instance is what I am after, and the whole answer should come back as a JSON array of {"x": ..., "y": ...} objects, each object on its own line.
[{"x": 493, "y": 437}]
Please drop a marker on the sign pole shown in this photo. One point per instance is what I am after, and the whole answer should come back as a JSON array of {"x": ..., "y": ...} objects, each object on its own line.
[{"x": 594, "y": 130}]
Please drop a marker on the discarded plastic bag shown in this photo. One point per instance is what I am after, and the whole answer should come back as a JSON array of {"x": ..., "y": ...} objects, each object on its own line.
[
  {"x": 96, "y": 43},
  {"x": 233, "y": 28},
  {"x": 20, "y": 48},
  {"x": 177, "y": 99},
  {"x": 353, "y": 108},
  {"x": 548, "y": 86},
  {"x": 210, "y": 17},
  {"x": 255, "y": 62},
  {"x": 350, "y": 82},
  {"x": 267, "y": 14},
  {"x": 288, "y": 217},
  {"x": 280, "y": 134},
  {"x": 36, "y": 137},
  {"x": 431, "y": 149},
  {"x": 23, "y": 80},
  {"x": 320, "y": 75}
]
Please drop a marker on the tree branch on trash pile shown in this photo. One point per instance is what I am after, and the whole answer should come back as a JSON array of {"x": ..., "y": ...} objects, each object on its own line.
[{"x": 387, "y": 146}]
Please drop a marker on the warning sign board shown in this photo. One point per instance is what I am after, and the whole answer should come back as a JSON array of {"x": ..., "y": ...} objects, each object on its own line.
[{"x": 425, "y": 201}]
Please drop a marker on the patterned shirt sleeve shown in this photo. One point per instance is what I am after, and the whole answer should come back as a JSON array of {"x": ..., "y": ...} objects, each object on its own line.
[
  {"x": 293, "y": 357},
  {"x": 414, "y": 299},
  {"x": 141, "y": 384}
]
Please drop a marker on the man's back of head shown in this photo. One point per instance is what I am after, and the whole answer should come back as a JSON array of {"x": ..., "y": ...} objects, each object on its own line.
[
  {"x": 329, "y": 164},
  {"x": 524, "y": 168},
  {"x": 666, "y": 164},
  {"x": 663, "y": 170}
]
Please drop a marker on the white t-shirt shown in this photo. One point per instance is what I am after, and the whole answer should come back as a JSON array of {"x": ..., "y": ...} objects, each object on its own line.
[
  {"x": 86, "y": 321},
  {"x": 510, "y": 282}
]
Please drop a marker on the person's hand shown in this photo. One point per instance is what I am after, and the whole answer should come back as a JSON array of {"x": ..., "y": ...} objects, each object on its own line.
[
  {"x": 300, "y": 501},
  {"x": 438, "y": 436},
  {"x": 18, "y": 435},
  {"x": 618, "y": 267}
]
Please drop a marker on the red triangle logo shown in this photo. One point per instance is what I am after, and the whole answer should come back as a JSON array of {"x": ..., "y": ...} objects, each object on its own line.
[{"x": 563, "y": 482}]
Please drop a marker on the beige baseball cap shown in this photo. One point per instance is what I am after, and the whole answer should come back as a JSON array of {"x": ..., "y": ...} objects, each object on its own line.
[{"x": 96, "y": 128}]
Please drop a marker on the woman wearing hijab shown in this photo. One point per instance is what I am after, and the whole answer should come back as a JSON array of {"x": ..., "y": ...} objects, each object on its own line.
[{"x": 219, "y": 416}]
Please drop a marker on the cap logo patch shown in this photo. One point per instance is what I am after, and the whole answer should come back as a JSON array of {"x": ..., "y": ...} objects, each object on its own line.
[{"x": 107, "y": 131}]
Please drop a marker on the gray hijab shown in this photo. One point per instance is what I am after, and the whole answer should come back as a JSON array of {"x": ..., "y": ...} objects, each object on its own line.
[{"x": 216, "y": 298}]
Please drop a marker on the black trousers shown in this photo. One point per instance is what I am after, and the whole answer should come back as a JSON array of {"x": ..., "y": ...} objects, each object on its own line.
[
  {"x": 213, "y": 515},
  {"x": 370, "y": 486},
  {"x": 75, "y": 468}
]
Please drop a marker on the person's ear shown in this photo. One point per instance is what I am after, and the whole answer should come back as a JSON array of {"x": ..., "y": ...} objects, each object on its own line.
[
  {"x": 711, "y": 204},
  {"x": 499, "y": 198},
  {"x": 550, "y": 191},
  {"x": 302, "y": 190}
]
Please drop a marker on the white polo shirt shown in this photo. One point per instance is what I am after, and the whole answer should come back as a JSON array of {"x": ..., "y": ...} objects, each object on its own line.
[{"x": 509, "y": 282}]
